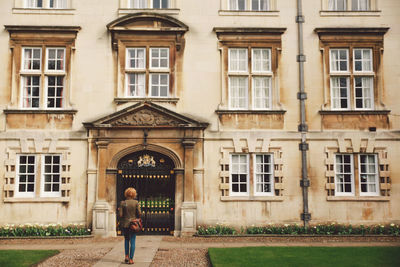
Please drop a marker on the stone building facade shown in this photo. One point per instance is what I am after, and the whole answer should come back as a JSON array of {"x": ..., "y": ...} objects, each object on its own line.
[{"x": 196, "y": 104}]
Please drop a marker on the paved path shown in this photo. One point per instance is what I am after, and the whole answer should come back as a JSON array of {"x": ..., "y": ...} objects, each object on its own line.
[{"x": 146, "y": 248}]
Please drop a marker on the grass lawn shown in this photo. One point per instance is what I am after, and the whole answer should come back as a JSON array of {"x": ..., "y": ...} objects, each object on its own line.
[
  {"x": 305, "y": 256},
  {"x": 21, "y": 258}
]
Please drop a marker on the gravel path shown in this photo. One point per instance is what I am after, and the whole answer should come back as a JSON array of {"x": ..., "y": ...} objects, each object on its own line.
[
  {"x": 83, "y": 257},
  {"x": 182, "y": 257}
]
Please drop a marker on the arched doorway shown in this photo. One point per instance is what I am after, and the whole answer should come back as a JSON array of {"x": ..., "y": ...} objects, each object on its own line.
[{"x": 152, "y": 175}]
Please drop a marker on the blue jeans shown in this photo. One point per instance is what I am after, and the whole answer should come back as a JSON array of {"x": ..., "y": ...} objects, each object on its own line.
[{"x": 129, "y": 237}]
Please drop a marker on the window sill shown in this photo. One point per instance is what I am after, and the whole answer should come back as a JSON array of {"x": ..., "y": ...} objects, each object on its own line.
[
  {"x": 354, "y": 112},
  {"x": 370, "y": 13},
  {"x": 167, "y": 11},
  {"x": 37, "y": 200},
  {"x": 273, "y": 13},
  {"x": 122, "y": 100},
  {"x": 253, "y": 198},
  {"x": 247, "y": 111},
  {"x": 43, "y": 11},
  {"x": 40, "y": 111},
  {"x": 358, "y": 198}
]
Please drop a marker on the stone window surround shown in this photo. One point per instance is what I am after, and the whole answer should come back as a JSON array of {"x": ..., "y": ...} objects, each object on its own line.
[
  {"x": 253, "y": 38},
  {"x": 45, "y": 37},
  {"x": 353, "y": 38},
  {"x": 158, "y": 35},
  {"x": 358, "y": 146},
  {"x": 251, "y": 149},
  {"x": 38, "y": 147}
]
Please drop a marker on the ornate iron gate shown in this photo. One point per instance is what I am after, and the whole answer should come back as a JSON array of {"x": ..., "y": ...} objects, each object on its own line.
[{"x": 152, "y": 175}]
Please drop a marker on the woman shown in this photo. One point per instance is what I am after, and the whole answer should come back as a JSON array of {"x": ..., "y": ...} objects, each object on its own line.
[{"x": 128, "y": 211}]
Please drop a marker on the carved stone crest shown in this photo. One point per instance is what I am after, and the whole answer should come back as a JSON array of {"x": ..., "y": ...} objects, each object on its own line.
[
  {"x": 146, "y": 161},
  {"x": 145, "y": 118}
]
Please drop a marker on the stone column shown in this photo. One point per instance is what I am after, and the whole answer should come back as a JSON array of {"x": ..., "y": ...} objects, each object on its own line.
[
  {"x": 101, "y": 208},
  {"x": 189, "y": 207},
  {"x": 179, "y": 173}
]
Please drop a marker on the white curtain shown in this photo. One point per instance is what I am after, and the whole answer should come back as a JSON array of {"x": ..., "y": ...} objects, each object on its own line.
[
  {"x": 140, "y": 58},
  {"x": 367, "y": 59},
  {"x": 30, "y": 3},
  {"x": 237, "y": 59},
  {"x": 334, "y": 60},
  {"x": 237, "y": 5},
  {"x": 58, "y": 4},
  {"x": 331, "y": 5},
  {"x": 138, "y": 4},
  {"x": 337, "y": 5}
]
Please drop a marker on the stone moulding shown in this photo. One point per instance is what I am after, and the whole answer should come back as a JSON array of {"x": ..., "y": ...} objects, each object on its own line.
[{"x": 146, "y": 115}]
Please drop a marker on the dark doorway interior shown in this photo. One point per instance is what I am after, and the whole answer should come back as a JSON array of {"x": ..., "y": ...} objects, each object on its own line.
[{"x": 152, "y": 175}]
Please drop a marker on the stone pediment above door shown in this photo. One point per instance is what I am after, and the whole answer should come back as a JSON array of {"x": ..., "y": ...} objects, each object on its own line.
[{"x": 146, "y": 115}]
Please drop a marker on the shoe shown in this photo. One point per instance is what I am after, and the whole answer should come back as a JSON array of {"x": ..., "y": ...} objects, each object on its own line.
[
  {"x": 130, "y": 261},
  {"x": 126, "y": 259}
]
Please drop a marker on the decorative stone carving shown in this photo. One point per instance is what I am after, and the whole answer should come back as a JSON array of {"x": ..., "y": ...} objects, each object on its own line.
[{"x": 145, "y": 118}]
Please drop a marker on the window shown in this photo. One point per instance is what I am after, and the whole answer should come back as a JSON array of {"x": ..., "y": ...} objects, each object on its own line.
[
  {"x": 31, "y": 167},
  {"x": 259, "y": 77},
  {"x": 26, "y": 173},
  {"x": 369, "y": 179},
  {"x": 156, "y": 4},
  {"x": 51, "y": 178},
  {"x": 246, "y": 5},
  {"x": 56, "y": 4},
  {"x": 346, "y": 169},
  {"x": 32, "y": 73},
  {"x": 239, "y": 175},
  {"x": 344, "y": 175},
  {"x": 157, "y": 73},
  {"x": 262, "y": 174},
  {"x": 343, "y": 5},
  {"x": 346, "y": 81}
]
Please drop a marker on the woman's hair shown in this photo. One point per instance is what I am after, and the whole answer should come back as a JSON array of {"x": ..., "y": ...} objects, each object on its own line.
[{"x": 130, "y": 192}]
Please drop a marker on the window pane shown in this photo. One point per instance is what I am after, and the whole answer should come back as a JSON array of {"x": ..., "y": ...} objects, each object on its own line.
[
  {"x": 238, "y": 176},
  {"x": 339, "y": 59},
  {"x": 344, "y": 173},
  {"x": 159, "y": 58},
  {"x": 261, "y": 60},
  {"x": 260, "y": 5},
  {"x": 263, "y": 170},
  {"x": 339, "y": 92},
  {"x": 136, "y": 84},
  {"x": 32, "y": 58},
  {"x": 362, "y": 60},
  {"x": 364, "y": 94},
  {"x": 55, "y": 59},
  {"x": 368, "y": 174},
  {"x": 136, "y": 58},
  {"x": 262, "y": 92},
  {"x": 55, "y": 88},
  {"x": 237, "y": 59},
  {"x": 52, "y": 172},
  {"x": 238, "y": 89}
]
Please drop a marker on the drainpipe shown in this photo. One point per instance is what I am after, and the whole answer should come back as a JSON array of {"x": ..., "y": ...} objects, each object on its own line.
[{"x": 302, "y": 128}]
